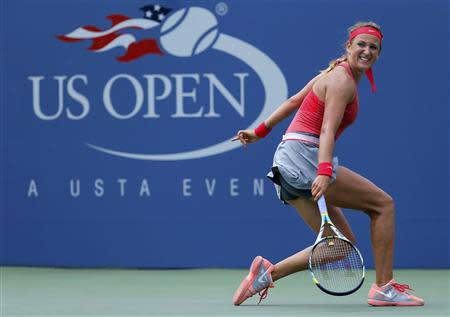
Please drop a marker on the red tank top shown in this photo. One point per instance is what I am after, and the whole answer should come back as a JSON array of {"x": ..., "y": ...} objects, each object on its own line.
[{"x": 309, "y": 116}]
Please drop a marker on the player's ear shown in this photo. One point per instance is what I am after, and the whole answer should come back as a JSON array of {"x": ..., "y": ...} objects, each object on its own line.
[{"x": 348, "y": 44}]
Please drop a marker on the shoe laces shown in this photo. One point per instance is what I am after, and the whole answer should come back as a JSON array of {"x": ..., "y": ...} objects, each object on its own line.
[
  {"x": 402, "y": 287},
  {"x": 263, "y": 294}
]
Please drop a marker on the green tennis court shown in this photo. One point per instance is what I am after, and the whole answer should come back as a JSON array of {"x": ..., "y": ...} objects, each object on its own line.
[{"x": 199, "y": 292}]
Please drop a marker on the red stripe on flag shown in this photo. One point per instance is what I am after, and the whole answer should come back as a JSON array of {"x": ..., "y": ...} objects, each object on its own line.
[
  {"x": 117, "y": 18},
  {"x": 141, "y": 48},
  {"x": 92, "y": 28},
  {"x": 102, "y": 41},
  {"x": 67, "y": 39}
]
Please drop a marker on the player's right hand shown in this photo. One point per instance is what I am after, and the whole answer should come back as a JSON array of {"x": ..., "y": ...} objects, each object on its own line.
[
  {"x": 246, "y": 136},
  {"x": 320, "y": 186}
]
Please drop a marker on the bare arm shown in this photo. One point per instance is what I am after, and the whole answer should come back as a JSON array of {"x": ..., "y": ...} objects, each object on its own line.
[
  {"x": 281, "y": 113},
  {"x": 290, "y": 105},
  {"x": 339, "y": 92}
]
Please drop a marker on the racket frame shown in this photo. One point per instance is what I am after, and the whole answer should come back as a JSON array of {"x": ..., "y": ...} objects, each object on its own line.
[{"x": 325, "y": 219}]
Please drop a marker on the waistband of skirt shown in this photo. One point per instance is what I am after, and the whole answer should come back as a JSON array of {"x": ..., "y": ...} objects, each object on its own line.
[{"x": 302, "y": 137}]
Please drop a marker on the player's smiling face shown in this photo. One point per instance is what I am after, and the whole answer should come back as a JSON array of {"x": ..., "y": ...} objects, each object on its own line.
[{"x": 363, "y": 51}]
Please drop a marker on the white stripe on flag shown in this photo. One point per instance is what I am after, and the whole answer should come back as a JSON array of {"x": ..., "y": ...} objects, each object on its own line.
[
  {"x": 124, "y": 40},
  {"x": 82, "y": 33}
]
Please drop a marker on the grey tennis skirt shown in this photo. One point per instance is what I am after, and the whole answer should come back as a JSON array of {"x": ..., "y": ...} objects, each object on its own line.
[{"x": 295, "y": 168}]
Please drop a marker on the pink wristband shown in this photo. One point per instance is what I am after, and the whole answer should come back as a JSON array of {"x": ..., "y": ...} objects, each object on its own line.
[
  {"x": 325, "y": 168},
  {"x": 262, "y": 130}
]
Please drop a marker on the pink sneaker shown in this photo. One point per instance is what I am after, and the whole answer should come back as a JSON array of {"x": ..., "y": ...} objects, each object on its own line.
[
  {"x": 258, "y": 279},
  {"x": 392, "y": 294}
]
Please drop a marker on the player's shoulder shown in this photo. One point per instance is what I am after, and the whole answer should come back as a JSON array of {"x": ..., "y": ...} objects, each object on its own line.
[{"x": 340, "y": 79}]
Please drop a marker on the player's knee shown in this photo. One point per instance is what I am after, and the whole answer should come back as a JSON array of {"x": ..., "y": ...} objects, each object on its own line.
[
  {"x": 384, "y": 204},
  {"x": 388, "y": 205}
]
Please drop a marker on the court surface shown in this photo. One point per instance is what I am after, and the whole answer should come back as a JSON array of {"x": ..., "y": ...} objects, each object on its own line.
[{"x": 199, "y": 292}]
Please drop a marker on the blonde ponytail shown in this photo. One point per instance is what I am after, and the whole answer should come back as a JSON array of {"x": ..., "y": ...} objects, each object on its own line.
[{"x": 334, "y": 63}]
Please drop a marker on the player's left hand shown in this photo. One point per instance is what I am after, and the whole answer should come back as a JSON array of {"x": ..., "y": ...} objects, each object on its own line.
[
  {"x": 246, "y": 136},
  {"x": 320, "y": 186}
]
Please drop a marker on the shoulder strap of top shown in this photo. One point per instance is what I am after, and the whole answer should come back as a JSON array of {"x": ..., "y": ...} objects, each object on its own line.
[
  {"x": 347, "y": 68},
  {"x": 349, "y": 71}
]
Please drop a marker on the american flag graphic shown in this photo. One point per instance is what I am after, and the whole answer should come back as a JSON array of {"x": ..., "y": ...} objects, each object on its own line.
[{"x": 117, "y": 36}]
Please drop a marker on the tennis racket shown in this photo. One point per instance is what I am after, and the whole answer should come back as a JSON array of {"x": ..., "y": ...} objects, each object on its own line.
[{"x": 336, "y": 265}]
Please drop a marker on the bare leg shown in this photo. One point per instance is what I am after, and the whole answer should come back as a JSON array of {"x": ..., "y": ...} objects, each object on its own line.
[
  {"x": 308, "y": 210},
  {"x": 351, "y": 190}
]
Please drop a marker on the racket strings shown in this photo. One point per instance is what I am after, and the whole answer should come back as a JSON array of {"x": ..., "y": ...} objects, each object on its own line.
[{"x": 337, "y": 265}]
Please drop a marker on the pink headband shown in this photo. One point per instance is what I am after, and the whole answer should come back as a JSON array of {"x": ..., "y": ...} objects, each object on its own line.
[
  {"x": 371, "y": 31},
  {"x": 366, "y": 30}
]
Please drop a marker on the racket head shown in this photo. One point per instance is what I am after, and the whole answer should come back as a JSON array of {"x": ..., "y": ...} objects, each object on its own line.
[{"x": 336, "y": 266}]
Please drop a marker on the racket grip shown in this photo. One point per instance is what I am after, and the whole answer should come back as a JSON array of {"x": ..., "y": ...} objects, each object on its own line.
[{"x": 322, "y": 205}]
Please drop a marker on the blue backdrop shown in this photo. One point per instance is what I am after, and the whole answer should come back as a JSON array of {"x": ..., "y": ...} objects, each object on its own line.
[{"x": 115, "y": 132}]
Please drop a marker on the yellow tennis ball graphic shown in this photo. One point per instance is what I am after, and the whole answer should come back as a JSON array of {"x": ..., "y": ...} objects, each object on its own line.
[{"x": 189, "y": 32}]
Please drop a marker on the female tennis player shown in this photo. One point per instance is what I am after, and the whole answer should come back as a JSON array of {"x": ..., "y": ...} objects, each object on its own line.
[{"x": 304, "y": 169}]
